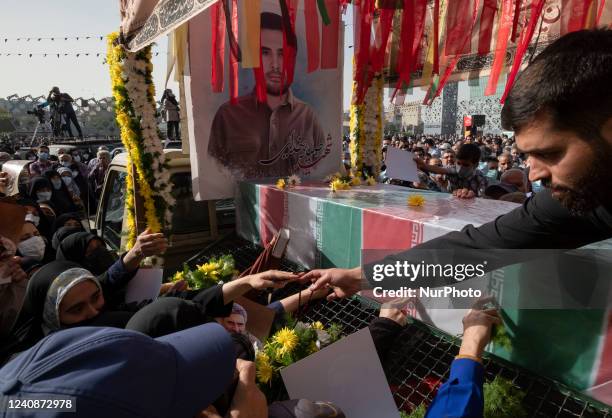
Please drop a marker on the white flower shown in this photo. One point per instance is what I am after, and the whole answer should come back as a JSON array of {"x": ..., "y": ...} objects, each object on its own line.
[{"x": 294, "y": 180}]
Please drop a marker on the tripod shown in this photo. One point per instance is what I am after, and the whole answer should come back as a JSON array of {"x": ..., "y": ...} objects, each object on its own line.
[{"x": 45, "y": 125}]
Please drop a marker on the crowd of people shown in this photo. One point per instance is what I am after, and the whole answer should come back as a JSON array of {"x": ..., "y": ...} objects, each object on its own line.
[
  {"x": 66, "y": 329},
  {"x": 486, "y": 166}
]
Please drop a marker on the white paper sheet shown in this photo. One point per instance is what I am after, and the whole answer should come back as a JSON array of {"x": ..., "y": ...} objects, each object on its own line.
[
  {"x": 145, "y": 285},
  {"x": 401, "y": 165},
  {"x": 347, "y": 373}
]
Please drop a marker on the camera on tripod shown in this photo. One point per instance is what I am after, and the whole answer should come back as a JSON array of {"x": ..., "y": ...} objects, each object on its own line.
[{"x": 39, "y": 112}]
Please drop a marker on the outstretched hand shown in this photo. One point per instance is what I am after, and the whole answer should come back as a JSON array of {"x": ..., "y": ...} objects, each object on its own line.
[
  {"x": 271, "y": 279},
  {"x": 343, "y": 282}
]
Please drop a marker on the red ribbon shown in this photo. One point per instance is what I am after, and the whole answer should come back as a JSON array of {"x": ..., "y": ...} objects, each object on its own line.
[
  {"x": 311, "y": 18},
  {"x": 413, "y": 25},
  {"x": 234, "y": 55},
  {"x": 436, "y": 23},
  {"x": 505, "y": 24},
  {"x": 600, "y": 12},
  {"x": 460, "y": 46},
  {"x": 489, "y": 9},
  {"x": 364, "y": 11},
  {"x": 517, "y": 14},
  {"x": 289, "y": 41},
  {"x": 457, "y": 25},
  {"x": 577, "y": 11},
  {"x": 330, "y": 35},
  {"x": 260, "y": 80},
  {"x": 217, "y": 21},
  {"x": 536, "y": 12}
]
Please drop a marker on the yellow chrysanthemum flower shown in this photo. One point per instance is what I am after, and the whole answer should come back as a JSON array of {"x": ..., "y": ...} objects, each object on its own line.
[
  {"x": 178, "y": 276},
  {"x": 264, "y": 368},
  {"x": 287, "y": 339},
  {"x": 355, "y": 181},
  {"x": 371, "y": 181},
  {"x": 317, "y": 325},
  {"x": 416, "y": 200},
  {"x": 338, "y": 184},
  {"x": 281, "y": 184}
]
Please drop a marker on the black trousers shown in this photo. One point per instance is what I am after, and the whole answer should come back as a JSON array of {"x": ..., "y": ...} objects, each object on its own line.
[
  {"x": 173, "y": 130},
  {"x": 71, "y": 118}
]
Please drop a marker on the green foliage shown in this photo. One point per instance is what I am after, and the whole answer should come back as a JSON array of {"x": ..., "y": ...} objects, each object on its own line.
[
  {"x": 215, "y": 271},
  {"x": 418, "y": 412},
  {"x": 500, "y": 337},
  {"x": 502, "y": 399}
]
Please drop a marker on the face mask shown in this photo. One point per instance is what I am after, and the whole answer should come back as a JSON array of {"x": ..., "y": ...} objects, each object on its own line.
[
  {"x": 32, "y": 218},
  {"x": 43, "y": 196},
  {"x": 44, "y": 156},
  {"x": 76, "y": 158},
  {"x": 33, "y": 247},
  {"x": 492, "y": 174},
  {"x": 67, "y": 180},
  {"x": 86, "y": 156},
  {"x": 66, "y": 163},
  {"x": 57, "y": 183},
  {"x": 464, "y": 172},
  {"x": 99, "y": 261},
  {"x": 75, "y": 173}
]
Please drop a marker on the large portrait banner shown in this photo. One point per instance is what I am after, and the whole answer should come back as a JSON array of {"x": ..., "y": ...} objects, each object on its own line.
[{"x": 297, "y": 130}]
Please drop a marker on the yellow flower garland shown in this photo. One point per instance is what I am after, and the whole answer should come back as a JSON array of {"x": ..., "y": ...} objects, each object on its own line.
[{"x": 155, "y": 210}]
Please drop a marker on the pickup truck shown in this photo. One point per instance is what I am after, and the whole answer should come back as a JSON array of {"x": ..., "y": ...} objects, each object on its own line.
[{"x": 194, "y": 225}]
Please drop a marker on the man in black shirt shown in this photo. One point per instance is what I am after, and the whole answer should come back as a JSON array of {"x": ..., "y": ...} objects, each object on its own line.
[{"x": 560, "y": 109}]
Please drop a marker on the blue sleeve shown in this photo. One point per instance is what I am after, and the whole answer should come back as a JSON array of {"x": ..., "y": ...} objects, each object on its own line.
[
  {"x": 461, "y": 396},
  {"x": 117, "y": 275}
]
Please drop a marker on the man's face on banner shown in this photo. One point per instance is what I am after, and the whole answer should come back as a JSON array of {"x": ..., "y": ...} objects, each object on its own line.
[{"x": 272, "y": 60}]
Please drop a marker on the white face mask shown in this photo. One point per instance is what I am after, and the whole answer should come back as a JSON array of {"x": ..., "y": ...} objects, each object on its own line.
[
  {"x": 67, "y": 180},
  {"x": 66, "y": 163},
  {"x": 75, "y": 173},
  {"x": 57, "y": 184},
  {"x": 32, "y": 218},
  {"x": 77, "y": 158},
  {"x": 33, "y": 247},
  {"x": 43, "y": 196}
]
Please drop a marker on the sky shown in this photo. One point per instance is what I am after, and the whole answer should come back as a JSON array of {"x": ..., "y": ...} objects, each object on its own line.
[{"x": 85, "y": 76}]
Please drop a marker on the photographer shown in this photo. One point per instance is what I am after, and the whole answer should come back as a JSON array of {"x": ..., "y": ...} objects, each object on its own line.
[{"x": 63, "y": 103}]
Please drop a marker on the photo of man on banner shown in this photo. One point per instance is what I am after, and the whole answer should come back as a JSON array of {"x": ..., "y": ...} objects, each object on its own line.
[
  {"x": 263, "y": 109},
  {"x": 281, "y": 137}
]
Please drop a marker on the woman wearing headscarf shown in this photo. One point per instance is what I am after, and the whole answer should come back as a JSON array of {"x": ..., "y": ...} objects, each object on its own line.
[
  {"x": 63, "y": 295},
  {"x": 41, "y": 190},
  {"x": 65, "y": 225},
  {"x": 35, "y": 215},
  {"x": 60, "y": 196}
]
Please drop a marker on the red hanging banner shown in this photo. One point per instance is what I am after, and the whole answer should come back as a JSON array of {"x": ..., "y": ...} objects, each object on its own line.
[
  {"x": 574, "y": 15},
  {"x": 517, "y": 14},
  {"x": 234, "y": 55},
  {"x": 413, "y": 25},
  {"x": 461, "y": 46},
  {"x": 489, "y": 10},
  {"x": 289, "y": 40},
  {"x": 536, "y": 12},
  {"x": 364, "y": 11},
  {"x": 457, "y": 25},
  {"x": 503, "y": 33},
  {"x": 217, "y": 22},
  {"x": 311, "y": 19},
  {"x": 330, "y": 36},
  {"x": 385, "y": 22},
  {"x": 436, "y": 37},
  {"x": 260, "y": 80},
  {"x": 600, "y": 12}
]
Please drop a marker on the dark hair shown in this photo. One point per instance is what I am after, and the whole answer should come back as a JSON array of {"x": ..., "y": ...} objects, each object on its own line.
[
  {"x": 469, "y": 152},
  {"x": 273, "y": 21},
  {"x": 570, "y": 81}
]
